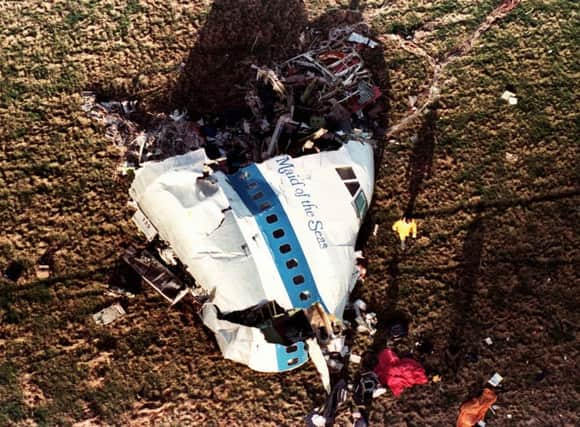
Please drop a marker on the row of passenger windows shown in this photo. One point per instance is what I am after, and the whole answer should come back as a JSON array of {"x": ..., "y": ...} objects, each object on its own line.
[
  {"x": 285, "y": 248},
  {"x": 279, "y": 233}
]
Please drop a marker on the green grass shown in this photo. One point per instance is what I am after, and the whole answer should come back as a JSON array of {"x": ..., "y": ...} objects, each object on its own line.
[{"x": 58, "y": 185}]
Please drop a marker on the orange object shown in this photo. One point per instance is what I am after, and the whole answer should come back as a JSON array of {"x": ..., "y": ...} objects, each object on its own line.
[{"x": 473, "y": 411}]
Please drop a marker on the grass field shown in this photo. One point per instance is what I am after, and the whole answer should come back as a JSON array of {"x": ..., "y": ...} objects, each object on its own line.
[{"x": 495, "y": 186}]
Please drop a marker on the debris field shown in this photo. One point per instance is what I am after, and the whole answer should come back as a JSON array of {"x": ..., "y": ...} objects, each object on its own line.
[{"x": 475, "y": 131}]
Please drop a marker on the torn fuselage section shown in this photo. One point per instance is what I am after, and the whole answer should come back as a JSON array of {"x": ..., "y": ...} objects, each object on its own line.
[
  {"x": 259, "y": 226},
  {"x": 264, "y": 246}
]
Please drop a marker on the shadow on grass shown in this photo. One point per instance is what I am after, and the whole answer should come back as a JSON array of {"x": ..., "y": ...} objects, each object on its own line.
[
  {"x": 237, "y": 33},
  {"x": 499, "y": 204},
  {"x": 464, "y": 292},
  {"x": 421, "y": 161}
]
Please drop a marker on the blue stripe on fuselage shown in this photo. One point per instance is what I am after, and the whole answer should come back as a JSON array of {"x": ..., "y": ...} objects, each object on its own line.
[{"x": 279, "y": 234}]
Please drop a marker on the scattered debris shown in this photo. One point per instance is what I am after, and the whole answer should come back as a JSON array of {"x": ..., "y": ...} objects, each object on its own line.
[
  {"x": 488, "y": 341},
  {"x": 109, "y": 315},
  {"x": 298, "y": 106},
  {"x": 397, "y": 373},
  {"x": 495, "y": 379},
  {"x": 398, "y": 328},
  {"x": 354, "y": 358},
  {"x": 325, "y": 415},
  {"x": 473, "y": 411},
  {"x": 316, "y": 102},
  {"x": 510, "y": 97},
  {"x": 365, "y": 388},
  {"x": 359, "y": 38},
  {"x": 42, "y": 271},
  {"x": 366, "y": 322}
]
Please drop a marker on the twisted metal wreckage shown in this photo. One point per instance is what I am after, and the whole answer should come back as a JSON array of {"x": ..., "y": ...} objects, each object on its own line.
[{"x": 256, "y": 219}]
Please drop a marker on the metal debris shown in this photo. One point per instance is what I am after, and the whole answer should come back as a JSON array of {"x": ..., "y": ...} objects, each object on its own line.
[
  {"x": 510, "y": 97},
  {"x": 42, "y": 271},
  {"x": 314, "y": 102},
  {"x": 354, "y": 358},
  {"x": 109, "y": 315},
  {"x": 366, "y": 322},
  {"x": 359, "y": 38},
  {"x": 324, "y": 87},
  {"x": 495, "y": 380}
]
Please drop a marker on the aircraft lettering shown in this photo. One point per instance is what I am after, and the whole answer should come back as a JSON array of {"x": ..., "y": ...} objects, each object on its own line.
[{"x": 286, "y": 168}]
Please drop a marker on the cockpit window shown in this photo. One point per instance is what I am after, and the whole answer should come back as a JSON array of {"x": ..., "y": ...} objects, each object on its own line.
[
  {"x": 352, "y": 186},
  {"x": 346, "y": 173},
  {"x": 361, "y": 204}
]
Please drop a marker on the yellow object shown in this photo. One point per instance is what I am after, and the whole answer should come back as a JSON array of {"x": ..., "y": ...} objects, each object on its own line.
[{"x": 404, "y": 228}]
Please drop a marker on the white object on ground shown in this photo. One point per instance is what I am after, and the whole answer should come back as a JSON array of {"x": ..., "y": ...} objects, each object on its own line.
[
  {"x": 359, "y": 38},
  {"x": 315, "y": 353},
  {"x": 510, "y": 97},
  {"x": 318, "y": 420},
  {"x": 355, "y": 358},
  {"x": 495, "y": 379},
  {"x": 379, "y": 392},
  {"x": 488, "y": 341},
  {"x": 109, "y": 314}
]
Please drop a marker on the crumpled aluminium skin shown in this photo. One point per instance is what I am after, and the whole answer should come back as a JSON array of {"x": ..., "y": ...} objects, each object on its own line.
[
  {"x": 399, "y": 374},
  {"x": 473, "y": 411}
]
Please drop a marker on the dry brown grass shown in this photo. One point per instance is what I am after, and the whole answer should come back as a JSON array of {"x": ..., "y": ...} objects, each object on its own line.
[{"x": 495, "y": 186}]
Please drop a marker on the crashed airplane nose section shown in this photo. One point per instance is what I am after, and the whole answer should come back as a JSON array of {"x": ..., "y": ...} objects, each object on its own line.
[{"x": 277, "y": 234}]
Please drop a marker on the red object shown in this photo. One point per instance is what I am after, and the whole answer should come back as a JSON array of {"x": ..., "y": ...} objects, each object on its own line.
[
  {"x": 397, "y": 373},
  {"x": 355, "y": 105}
]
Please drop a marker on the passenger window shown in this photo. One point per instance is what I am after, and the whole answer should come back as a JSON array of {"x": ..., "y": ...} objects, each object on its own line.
[
  {"x": 278, "y": 233},
  {"x": 346, "y": 173},
  {"x": 271, "y": 219},
  {"x": 292, "y": 348},
  {"x": 252, "y": 185},
  {"x": 293, "y": 361},
  {"x": 285, "y": 248},
  {"x": 304, "y": 296},
  {"x": 264, "y": 206},
  {"x": 292, "y": 263},
  {"x": 298, "y": 279},
  {"x": 258, "y": 195}
]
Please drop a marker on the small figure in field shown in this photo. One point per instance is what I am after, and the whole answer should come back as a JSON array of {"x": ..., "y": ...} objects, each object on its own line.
[{"x": 404, "y": 227}]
